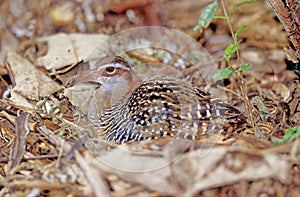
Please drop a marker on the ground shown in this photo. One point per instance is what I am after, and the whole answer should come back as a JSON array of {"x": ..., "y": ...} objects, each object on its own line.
[{"x": 44, "y": 44}]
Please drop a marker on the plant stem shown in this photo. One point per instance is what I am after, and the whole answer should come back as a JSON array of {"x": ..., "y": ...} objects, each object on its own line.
[{"x": 239, "y": 78}]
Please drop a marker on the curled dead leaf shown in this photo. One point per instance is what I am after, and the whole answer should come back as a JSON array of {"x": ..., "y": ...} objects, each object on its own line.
[
  {"x": 31, "y": 83},
  {"x": 282, "y": 90}
]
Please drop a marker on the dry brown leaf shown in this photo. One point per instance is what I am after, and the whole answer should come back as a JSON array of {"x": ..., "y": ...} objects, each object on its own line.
[
  {"x": 150, "y": 171},
  {"x": 18, "y": 99},
  {"x": 282, "y": 90},
  {"x": 66, "y": 49},
  {"x": 19, "y": 144},
  {"x": 60, "y": 52},
  {"x": 194, "y": 171},
  {"x": 221, "y": 167},
  {"x": 8, "y": 42},
  {"x": 30, "y": 82}
]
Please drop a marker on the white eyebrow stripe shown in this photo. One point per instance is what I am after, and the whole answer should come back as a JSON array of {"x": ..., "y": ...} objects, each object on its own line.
[{"x": 116, "y": 65}]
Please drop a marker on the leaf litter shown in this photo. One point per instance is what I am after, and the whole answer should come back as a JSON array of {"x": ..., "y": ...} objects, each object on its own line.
[{"x": 50, "y": 150}]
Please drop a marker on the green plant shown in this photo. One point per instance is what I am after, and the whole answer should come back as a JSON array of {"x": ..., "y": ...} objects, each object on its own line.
[
  {"x": 289, "y": 135},
  {"x": 233, "y": 48}
]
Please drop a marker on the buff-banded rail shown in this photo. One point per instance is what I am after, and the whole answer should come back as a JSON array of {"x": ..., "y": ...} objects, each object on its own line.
[{"x": 156, "y": 107}]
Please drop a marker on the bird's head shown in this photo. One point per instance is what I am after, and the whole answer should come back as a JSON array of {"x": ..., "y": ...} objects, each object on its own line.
[{"x": 111, "y": 72}]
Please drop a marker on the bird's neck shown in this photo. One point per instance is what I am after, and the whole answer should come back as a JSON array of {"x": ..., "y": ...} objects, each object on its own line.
[
  {"x": 119, "y": 87},
  {"x": 133, "y": 85}
]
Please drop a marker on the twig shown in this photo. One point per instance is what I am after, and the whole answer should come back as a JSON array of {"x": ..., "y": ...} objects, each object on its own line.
[
  {"x": 231, "y": 91},
  {"x": 238, "y": 77},
  {"x": 10, "y": 73},
  {"x": 5, "y": 83},
  {"x": 93, "y": 176}
]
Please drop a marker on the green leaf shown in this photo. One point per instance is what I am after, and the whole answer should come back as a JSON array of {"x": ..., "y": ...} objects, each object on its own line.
[
  {"x": 207, "y": 15},
  {"x": 243, "y": 67},
  {"x": 222, "y": 74},
  {"x": 230, "y": 49},
  {"x": 238, "y": 5},
  {"x": 239, "y": 31},
  {"x": 289, "y": 135}
]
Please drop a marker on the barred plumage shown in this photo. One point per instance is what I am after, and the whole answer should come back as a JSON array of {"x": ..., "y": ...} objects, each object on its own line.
[{"x": 161, "y": 107}]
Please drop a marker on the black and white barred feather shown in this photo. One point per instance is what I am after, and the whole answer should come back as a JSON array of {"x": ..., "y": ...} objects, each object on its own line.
[{"x": 166, "y": 107}]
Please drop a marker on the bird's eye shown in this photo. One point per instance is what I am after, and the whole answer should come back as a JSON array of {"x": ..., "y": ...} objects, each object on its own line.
[{"x": 110, "y": 70}]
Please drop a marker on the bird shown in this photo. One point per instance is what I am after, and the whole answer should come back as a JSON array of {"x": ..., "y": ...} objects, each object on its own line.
[{"x": 156, "y": 107}]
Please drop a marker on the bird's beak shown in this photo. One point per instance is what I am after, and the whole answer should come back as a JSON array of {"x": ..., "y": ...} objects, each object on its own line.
[{"x": 89, "y": 76}]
